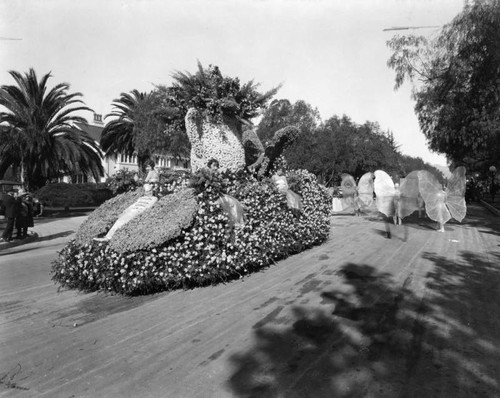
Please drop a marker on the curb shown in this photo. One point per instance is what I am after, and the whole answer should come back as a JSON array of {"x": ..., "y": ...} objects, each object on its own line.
[
  {"x": 18, "y": 242},
  {"x": 491, "y": 208}
]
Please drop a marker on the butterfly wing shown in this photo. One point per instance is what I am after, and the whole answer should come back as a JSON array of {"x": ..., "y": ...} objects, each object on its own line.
[
  {"x": 348, "y": 190},
  {"x": 385, "y": 191},
  {"x": 293, "y": 200},
  {"x": 234, "y": 210},
  {"x": 365, "y": 190},
  {"x": 337, "y": 205},
  {"x": 455, "y": 194},
  {"x": 408, "y": 202},
  {"x": 348, "y": 185},
  {"x": 434, "y": 197}
]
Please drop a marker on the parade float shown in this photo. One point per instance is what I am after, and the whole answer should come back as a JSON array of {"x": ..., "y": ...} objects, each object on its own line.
[{"x": 209, "y": 226}]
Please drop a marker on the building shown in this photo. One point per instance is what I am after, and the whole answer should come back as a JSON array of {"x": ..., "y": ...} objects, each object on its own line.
[{"x": 114, "y": 163}]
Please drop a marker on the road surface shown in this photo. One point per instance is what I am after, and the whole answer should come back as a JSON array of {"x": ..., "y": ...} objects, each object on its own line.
[{"x": 359, "y": 316}]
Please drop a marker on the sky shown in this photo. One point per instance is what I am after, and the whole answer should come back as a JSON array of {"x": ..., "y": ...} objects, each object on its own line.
[{"x": 330, "y": 53}]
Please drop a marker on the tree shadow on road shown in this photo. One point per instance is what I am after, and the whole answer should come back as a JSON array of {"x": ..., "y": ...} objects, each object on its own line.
[{"x": 377, "y": 337}]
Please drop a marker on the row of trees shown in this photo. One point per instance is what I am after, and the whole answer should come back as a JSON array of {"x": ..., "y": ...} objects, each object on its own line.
[{"x": 337, "y": 145}]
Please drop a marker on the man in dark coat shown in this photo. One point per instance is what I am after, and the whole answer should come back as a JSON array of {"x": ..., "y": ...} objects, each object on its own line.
[
  {"x": 24, "y": 218},
  {"x": 11, "y": 206}
]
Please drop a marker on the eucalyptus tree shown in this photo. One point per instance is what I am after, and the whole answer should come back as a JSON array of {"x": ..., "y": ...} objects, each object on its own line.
[
  {"x": 456, "y": 83},
  {"x": 39, "y": 131},
  {"x": 281, "y": 113}
]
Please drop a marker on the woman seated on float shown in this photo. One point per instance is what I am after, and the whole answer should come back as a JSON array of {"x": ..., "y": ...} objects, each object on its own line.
[{"x": 152, "y": 177}]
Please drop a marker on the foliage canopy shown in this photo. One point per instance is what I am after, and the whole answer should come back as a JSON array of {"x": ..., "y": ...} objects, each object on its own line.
[{"x": 456, "y": 83}]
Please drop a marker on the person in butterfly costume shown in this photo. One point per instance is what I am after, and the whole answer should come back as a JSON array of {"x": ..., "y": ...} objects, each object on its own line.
[
  {"x": 364, "y": 192},
  {"x": 398, "y": 200},
  {"x": 442, "y": 205},
  {"x": 388, "y": 196},
  {"x": 348, "y": 192},
  {"x": 358, "y": 197}
]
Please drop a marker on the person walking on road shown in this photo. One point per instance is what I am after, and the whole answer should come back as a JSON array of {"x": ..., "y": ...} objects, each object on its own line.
[{"x": 11, "y": 206}]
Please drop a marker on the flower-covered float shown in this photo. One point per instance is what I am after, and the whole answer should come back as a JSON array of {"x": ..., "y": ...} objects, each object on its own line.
[{"x": 188, "y": 237}]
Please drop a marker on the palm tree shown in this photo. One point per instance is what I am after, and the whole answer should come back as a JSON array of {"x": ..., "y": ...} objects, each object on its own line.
[
  {"x": 144, "y": 124},
  {"x": 39, "y": 134},
  {"x": 120, "y": 134}
]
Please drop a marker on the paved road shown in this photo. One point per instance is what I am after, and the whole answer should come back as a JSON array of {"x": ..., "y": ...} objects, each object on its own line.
[{"x": 360, "y": 316}]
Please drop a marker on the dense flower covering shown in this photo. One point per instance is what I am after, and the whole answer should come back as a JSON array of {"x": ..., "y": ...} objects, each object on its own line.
[
  {"x": 103, "y": 218},
  {"x": 214, "y": 139},
  {"x": 162, "y": 222},
  {"x": 210, "y": 250}
]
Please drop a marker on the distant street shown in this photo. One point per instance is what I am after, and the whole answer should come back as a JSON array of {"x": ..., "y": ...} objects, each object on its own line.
[{"x": 359, "y": 316}]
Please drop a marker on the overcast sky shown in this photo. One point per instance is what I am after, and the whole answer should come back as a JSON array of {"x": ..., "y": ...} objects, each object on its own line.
[{"x": 330, "y": 53}]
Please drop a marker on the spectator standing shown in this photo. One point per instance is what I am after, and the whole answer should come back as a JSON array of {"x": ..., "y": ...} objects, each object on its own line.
[
  {"x": 470, "y": 190},
  {"x": 10, "y": 204},
  {"x": 493, "y": 190},
  {"x": 37, "y": 207},
  {"x": 24, "y": 219}
]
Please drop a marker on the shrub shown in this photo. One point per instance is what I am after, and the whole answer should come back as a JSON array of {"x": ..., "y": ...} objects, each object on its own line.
[
  {"x": 63, "y": 195},
  {"x": 122, "y": 181},
  {"x": 99, "y": 192},
  {"x": 209, "y": 250}
]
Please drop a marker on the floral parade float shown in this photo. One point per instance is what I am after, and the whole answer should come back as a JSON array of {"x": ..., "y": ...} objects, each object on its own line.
[{"x": 190, "y": 236}]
